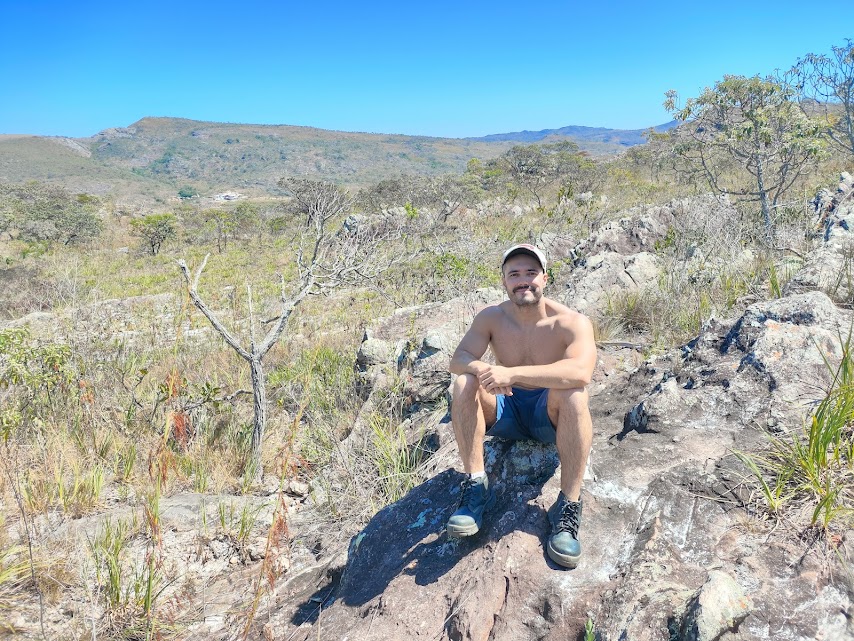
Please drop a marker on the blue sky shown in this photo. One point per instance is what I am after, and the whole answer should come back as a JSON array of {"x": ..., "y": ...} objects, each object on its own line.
[{"x": 435, "y": 68}]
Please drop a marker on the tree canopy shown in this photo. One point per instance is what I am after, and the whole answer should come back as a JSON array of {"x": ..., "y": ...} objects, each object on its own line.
[
  {"x": 754, "y": 122},
  {"x": 39, "y": 212},
  {"x": 154, "y": 230},
  {"x": 826, "y": 85}
]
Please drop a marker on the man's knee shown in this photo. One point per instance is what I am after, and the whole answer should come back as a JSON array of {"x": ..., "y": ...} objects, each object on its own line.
[
  {"x": 573, "y": 401},
  {"x": 465, "y": 388}
]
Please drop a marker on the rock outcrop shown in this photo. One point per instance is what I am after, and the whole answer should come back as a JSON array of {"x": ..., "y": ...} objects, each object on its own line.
[
  {"x": 767, "y": 369},
  {"x": 668, "y": 552},
  {"x": 625, "y": 256},
  {"x": 830, "y": 268}
]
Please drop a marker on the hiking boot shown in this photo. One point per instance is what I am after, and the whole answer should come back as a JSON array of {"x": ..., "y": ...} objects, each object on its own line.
[
  {"x": 476, "y": 498},
  {"x": 565, "y": 517}
]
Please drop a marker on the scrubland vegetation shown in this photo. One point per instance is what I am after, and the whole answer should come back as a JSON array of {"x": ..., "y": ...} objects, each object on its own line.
[{"x": 91, "y": 421}]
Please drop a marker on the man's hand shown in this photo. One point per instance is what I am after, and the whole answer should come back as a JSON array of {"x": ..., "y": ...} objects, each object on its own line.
[{"x": 496, "y": 379}]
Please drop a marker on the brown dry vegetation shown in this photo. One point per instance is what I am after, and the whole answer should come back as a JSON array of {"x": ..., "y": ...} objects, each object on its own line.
[{"x": 92, "y": 421}]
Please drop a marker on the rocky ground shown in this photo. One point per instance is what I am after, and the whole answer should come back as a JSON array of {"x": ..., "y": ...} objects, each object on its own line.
[
  {"x": 670, "y": 551},
  {"x": 671, "y": 548}
]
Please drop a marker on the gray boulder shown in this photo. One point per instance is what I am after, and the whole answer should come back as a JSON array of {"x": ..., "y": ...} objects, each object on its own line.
[
  {"x": 719, "y": 607},
  {"x": 603, "y": 276},
  {"x": 830, "y": 268}
]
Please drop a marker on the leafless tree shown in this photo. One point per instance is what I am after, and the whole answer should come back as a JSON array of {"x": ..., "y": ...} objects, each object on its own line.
[
  {"x": 826, "y": 85},
  {"x": 333, "y": 251}
]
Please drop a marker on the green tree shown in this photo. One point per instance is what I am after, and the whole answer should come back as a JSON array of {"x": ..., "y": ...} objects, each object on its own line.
[
  {"x": 482, "y": 178},
  {"x": 223, "y": 223},
  {"x": 47, "y": 213},
  {"x": 826, "y": 85},
  {"x": 154, "y": 229},
  {"x": 248, "y": 218},
  {"x": 535, "y": 168},
  {"x": 396, "y": 192},
  {"x": 754, "y": 125},
  {"x": 187, "y": 192}
]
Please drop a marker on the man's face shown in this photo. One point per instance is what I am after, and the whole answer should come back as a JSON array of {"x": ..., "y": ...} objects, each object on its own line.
[{"x": 523, "y": 279}]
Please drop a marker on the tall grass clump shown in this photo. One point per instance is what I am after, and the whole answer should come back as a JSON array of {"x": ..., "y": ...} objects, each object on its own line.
[
  {"x": 813, "y": 469},
  {"x": 14, "y": 572},
  {"x": 319, "y": 386},
  {"x": 395, "y": 460},
  {"x": 128, "y": 588}
]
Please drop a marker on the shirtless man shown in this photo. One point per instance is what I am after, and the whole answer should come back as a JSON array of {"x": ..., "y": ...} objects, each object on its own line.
[{"x": 546, "y": 355}]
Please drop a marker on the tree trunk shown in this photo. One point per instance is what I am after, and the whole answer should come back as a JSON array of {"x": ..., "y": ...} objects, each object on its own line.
[
  {"x": 763, "y": 200},
  {"x": 849, "y": 126},
  {"x": 259, "y": 395}
]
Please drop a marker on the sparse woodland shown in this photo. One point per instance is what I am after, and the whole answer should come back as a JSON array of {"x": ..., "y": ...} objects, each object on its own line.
[{"x": 164, "y": 401}]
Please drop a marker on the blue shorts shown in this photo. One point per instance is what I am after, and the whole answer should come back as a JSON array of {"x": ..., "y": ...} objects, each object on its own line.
[{"x": 524, "y": 415}]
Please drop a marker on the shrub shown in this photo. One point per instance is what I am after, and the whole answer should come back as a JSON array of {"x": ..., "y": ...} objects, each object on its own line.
[
  {"x": 46, "y": 213},
  {"x": 154, "y": 229}
]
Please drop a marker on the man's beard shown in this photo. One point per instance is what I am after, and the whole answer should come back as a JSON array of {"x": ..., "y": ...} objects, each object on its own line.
[{"x": 526, "y": 302}]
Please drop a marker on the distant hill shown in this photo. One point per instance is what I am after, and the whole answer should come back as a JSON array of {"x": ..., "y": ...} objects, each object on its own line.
[
  {"x": 154, "y": 157},
  {"x": 584, "y": 136}
]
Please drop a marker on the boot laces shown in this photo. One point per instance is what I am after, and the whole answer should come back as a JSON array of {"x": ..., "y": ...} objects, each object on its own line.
[
  {"x": 468, "y": 490},
  {"x": 569, "y": 519}
]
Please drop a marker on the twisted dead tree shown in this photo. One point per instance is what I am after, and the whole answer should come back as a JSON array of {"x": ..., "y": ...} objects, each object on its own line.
[{"x": 333, "y": 251}]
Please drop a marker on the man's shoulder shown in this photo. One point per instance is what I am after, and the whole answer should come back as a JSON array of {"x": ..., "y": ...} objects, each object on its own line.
[
  {"x": 555, "y": 308},
  {"x": 496, "y": 310},
  {"x": 564, "y": 315}
]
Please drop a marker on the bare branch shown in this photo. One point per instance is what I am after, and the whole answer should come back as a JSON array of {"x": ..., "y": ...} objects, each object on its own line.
[
  {"x": 251, "y": 318},
  {"x": 208, "y": 313},
  {"x": 288, "y": 306}
]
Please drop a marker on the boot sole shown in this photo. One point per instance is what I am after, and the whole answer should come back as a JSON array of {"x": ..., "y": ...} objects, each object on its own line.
[
  {"x": 564, "y": 560},
  {"x": 462, "y": 531}
]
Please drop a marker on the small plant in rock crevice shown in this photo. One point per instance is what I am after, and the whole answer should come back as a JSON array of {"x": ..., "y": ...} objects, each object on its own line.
[
  {"x": 237, "y": 525},
  {"x": 813, "y": 470}
]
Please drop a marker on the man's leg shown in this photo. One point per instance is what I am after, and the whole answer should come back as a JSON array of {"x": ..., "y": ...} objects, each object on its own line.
[
  {"x": 570, "y": 415},
  {"x": 569, "y": 412},
  {"x": 472, "y": 409}
]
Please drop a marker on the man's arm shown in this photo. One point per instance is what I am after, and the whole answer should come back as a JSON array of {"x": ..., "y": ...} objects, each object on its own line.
[
  {"x": 573, "y": 371},
  {"x": 466, "y": 358}
]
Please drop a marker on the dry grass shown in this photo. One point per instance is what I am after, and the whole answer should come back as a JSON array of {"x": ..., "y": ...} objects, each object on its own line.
[{"x": 152, "y": 413}]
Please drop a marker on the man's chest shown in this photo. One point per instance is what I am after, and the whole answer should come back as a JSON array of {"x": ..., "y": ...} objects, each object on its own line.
[{"x": 514, "y": 346}]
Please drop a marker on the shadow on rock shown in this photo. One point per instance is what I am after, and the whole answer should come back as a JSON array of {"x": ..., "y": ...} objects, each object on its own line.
[
  {"x": 309, "y": 611},
  {"x": 408, "y": 537}
]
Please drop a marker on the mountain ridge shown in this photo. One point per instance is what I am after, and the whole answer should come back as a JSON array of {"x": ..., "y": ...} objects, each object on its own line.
[
  {"x": 626, "y": 137},
  {"x": 154, "y": 157}
]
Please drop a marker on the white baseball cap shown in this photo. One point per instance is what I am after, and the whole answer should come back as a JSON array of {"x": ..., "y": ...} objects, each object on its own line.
[{"x": 524, "y": 248}]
